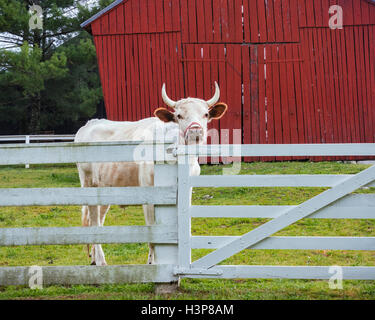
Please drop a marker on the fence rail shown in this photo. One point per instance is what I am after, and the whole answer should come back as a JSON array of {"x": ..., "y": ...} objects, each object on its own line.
[
  {"x": 87, "y": 196},
  {"x": 69, "y": 152},
  {"x": 38, "y": 137},
  {"x": 69, "y": 275},
  {"x": 171, "y": 195},
  {"x": 282, "y": 272},
  {"x": 276, "y": 150},
  {"x": 83, "y": 235},
  {"x": 285, "y": 180},
  {"x": 291, "y": 243},
  {"x": 354, "y": 206}
]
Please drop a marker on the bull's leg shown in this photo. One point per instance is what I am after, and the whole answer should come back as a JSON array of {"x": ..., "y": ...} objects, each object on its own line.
[
  {"x": 85, "y": 223},
  {"x": 85, "y": 179},
  {"x": 103, "y": 210},
  {"x": 85, "y": 216},
  {"x": 150, "y": 220},
  {"x": 103, "y": 213},
  {"x": 97, "y": 254}
]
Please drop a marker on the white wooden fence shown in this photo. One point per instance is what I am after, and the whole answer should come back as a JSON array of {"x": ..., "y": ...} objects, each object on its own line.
[
  {"x": 162, "y": 195},
  {"x": 335, "y": 203},
  {"x": 39, "y": 137},
  {"x": 171, "y": 196}
]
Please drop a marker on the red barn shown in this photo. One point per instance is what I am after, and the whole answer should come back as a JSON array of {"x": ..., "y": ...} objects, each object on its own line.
[{"x": 286, "y": 75}]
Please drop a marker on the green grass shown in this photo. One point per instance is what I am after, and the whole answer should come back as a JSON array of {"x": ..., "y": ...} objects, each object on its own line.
[{"x": 62, "y": 216}]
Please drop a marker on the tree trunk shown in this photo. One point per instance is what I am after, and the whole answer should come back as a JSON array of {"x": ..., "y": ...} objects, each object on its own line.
[{"x": 34, "y": 127}]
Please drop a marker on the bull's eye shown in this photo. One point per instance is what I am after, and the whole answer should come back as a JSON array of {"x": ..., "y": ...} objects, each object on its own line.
[
  {"x": 179, "y": 116},
  {"x": 206, "y": 115}
]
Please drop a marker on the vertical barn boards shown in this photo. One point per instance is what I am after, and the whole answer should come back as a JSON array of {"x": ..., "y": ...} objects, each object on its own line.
[
  {"x": 337, "y": 80},
  {"x": 218, "y": 46},
  {"x": 139, "y": 48},
  {"x": 286, "y": 76}
]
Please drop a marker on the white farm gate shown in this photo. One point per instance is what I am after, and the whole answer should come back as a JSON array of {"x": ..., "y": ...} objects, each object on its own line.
[{"x": 171, "y": 196}]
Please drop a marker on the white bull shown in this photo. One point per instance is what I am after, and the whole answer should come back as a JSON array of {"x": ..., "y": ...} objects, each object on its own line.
[{"x": 189, "y": 120}]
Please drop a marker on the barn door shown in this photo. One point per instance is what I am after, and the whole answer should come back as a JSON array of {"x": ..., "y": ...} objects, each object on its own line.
[
  {"x": 205, "y": 64},
  {"x": 261, "y": 85},
  {"x": 272, "y": 95},
  {"x": 285, "y": 114}
]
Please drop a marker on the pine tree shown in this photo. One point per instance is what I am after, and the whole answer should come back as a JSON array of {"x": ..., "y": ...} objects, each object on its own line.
[{"x": 39, "y": 66}]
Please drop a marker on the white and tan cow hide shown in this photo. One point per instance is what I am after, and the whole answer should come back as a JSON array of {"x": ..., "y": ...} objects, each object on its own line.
[{"x": 187, "y": 124}]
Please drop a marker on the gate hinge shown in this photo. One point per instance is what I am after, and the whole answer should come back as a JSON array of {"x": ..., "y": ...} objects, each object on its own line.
[{"x": 197, "y": 271}]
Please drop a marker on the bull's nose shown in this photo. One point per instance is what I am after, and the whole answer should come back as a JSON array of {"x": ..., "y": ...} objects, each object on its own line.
[
  {"x": 195, "y": 131},
  {"x": 194, "y": 134},
  {"x": 195, "y": 126}
]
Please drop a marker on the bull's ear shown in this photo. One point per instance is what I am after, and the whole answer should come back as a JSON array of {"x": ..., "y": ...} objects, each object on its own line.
[
  {"x": 217, "y": 111},
  {"x": 164, "y": 115}
]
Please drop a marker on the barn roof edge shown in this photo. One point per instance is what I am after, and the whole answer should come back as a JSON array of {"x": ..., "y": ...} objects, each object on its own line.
[
  {"x": 86, "y": 23},
  {"x": 100, "y": 13}
]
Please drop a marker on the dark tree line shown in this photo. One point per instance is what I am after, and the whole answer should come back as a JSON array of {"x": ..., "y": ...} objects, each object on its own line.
[{"x": 49, "y": 78}]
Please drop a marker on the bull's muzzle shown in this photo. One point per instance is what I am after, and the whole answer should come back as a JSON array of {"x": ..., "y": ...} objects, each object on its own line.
[{"x": 194, "y": 133}]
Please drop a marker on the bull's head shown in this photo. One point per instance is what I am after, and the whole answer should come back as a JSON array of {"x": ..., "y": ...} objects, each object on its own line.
[{"x": 192, "y": 115}]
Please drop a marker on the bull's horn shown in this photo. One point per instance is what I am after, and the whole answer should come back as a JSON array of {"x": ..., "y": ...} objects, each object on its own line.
[
  {"x": 216, "y": 96},
  {"x": 169, "y": 102}
]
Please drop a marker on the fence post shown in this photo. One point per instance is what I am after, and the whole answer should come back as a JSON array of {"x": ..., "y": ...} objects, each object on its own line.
[
  {"x": 184, "y": 220},
  {"x": 166, "y": 175},
  {"x": 27, "y": 141}
]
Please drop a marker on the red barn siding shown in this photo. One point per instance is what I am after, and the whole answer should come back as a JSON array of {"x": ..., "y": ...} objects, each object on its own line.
[
  {"x": 286, "y": 76},
  {"x": 133, "y": 68}
]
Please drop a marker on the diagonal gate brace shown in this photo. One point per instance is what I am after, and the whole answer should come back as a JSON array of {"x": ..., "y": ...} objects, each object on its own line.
[{"x": 289, "y": 217}]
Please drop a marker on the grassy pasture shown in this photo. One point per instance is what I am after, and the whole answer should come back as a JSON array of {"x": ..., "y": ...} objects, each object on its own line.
[{"x": 63, "y": 216}]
